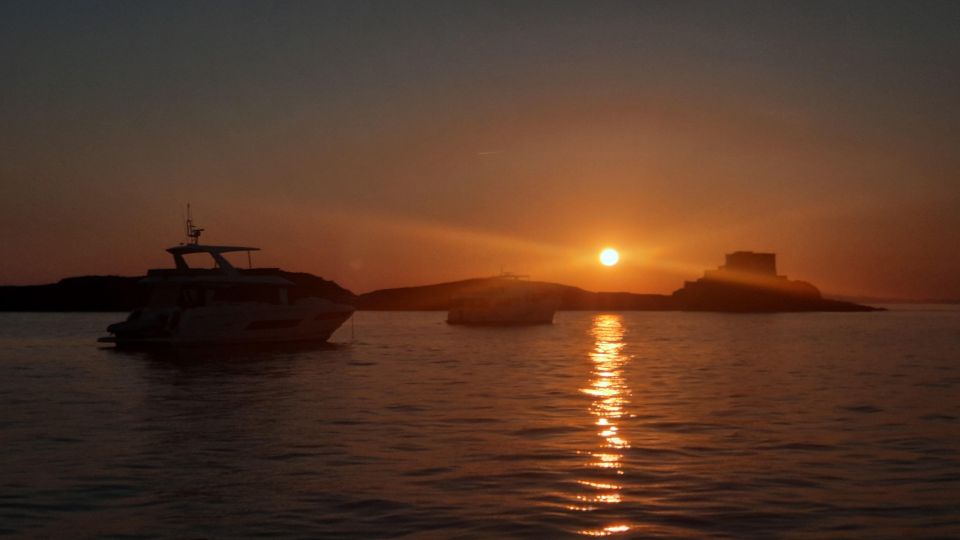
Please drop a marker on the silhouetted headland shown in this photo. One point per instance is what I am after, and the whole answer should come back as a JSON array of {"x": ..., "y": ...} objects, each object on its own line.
[
  {"x": 443, "y": 295},
  {"x": 748, "y": 282}
]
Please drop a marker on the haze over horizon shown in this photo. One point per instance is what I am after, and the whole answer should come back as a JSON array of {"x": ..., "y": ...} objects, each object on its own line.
[{"x": 391, "y": 144}]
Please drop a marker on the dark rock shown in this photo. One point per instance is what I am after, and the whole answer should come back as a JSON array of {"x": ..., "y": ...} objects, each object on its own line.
[{"x": 442, "y": 296}]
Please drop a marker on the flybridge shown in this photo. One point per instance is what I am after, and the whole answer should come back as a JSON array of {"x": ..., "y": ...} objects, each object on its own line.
[
  {"x": 224, "y": 272},
  {"x": 214, "y": 251}
]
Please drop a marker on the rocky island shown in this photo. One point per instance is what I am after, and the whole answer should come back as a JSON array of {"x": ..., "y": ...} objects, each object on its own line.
[{"x": 749, "y": 282}]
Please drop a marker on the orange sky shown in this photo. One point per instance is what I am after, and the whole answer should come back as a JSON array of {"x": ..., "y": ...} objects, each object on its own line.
[{"x": 381, "y": 148}]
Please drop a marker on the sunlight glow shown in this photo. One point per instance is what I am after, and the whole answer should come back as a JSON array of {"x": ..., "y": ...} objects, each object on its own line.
[
  {"x": 609, "y": 257},
  {"x": 606, "y": 531}
]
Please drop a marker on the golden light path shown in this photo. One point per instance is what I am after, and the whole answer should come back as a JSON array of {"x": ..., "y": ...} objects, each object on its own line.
[{"x": 610, "y": 391}]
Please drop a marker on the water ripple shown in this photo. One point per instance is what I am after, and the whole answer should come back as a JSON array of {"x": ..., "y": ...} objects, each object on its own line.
[{"x": 637, "y": 425}]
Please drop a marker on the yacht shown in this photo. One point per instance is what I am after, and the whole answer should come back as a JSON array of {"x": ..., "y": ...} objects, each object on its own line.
[
  {"x": 224, "y": 304},
  {"x": 509, "y": 300}
]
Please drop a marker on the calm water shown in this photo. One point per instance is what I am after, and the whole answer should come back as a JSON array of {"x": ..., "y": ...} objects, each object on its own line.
[{"x": 629, "y": 425}]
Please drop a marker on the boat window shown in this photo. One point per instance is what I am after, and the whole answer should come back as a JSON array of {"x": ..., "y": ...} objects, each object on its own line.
[
  {"x": 203, "y": 261},
  {"x": 273, "y": 324},
  {"x": 266, "y": 294},
  {"x": 191, "y": 297},
  {"x": 163, "y": 296},
  {"x": 199, "y": 261}
]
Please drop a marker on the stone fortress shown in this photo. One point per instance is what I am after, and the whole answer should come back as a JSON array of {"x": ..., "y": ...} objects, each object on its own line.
[{"x": 748, "y": 282}]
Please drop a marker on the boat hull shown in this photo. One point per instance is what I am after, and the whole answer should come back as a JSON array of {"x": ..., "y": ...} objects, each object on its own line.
[{"x": 234, "y": 324}]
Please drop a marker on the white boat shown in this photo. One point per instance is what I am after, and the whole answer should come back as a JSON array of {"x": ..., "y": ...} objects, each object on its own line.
[
  {"x": 509, "y": 300},
  {"x": 224, "y": 305}
]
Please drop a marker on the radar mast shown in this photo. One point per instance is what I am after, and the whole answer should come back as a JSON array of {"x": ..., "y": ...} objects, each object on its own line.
[{"x": 193, "y": 233}]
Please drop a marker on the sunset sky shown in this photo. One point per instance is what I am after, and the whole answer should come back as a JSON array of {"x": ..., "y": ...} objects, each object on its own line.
[{"x": 384, "y": 144}]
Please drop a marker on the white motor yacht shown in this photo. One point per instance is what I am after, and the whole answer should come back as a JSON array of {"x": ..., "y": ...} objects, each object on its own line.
[
  {"x": 224, "y": 305},
  {"x": 508, "y": 301}
]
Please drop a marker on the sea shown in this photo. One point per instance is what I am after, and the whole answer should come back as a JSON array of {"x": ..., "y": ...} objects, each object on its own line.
[{"x": 625, "y": 425}]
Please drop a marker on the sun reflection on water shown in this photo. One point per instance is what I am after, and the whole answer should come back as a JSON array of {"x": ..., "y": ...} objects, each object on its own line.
[{"x": 610, "y": 391}]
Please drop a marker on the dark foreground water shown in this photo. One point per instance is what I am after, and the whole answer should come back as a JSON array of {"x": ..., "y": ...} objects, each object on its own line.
[{"x": 633, "y": 425}]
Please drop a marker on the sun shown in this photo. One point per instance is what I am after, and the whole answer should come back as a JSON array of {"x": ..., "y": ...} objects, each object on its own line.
[{"x": 609, "y": 257}]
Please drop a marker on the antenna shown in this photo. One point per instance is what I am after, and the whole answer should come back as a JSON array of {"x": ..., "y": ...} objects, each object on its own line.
[{"x": 193, "y": 233}]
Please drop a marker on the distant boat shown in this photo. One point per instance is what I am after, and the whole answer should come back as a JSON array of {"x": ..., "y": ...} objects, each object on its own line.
[
  {"x": 507, "y": 301},
  {"x": 224, "y": 305}
]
